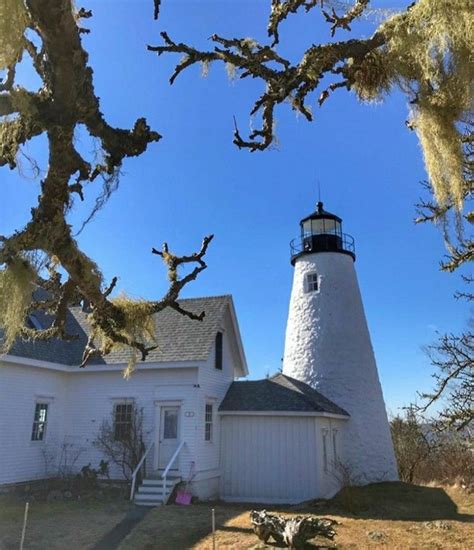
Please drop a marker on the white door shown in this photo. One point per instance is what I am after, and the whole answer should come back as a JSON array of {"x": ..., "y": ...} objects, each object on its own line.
[{"x": 169, "y": 434}]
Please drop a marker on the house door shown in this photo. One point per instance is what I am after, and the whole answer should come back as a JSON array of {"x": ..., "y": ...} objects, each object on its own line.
[{"x": 169, "y": 434}]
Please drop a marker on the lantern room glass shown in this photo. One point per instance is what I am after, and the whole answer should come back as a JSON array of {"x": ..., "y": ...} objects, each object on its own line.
[{"x": 321, "y": 226}]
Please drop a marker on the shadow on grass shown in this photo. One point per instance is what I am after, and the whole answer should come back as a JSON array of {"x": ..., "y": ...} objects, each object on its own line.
[
  {"x": 177, "y": 527},
  {"x": 393, "y": 501}
]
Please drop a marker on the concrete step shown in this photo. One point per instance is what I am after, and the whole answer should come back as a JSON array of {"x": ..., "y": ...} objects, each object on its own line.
[
  {"x": 151, "y": 491},
  {"x": 159, "y": 482},
  {"x": 143, "y": 490},
  {"x": 146, "y": 497},
  {"x": 148, "y": 502},
  {"x": 157, "y": 475}
]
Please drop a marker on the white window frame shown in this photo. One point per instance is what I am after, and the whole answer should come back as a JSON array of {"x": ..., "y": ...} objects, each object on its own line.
[
  {"x": 118, "y": 403},
  {"x": 209, "y": 422},
  {"x": 44, "y": 423},
  {"x": 311, "y": 279}
]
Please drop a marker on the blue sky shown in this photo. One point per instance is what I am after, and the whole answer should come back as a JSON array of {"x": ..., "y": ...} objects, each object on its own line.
[{"x": 195, "y": 182}]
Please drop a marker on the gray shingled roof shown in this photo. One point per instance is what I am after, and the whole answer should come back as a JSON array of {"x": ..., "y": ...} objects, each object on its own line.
[
  {"x": 278, "y": 393},
  {"x": 179, "y": 338}
]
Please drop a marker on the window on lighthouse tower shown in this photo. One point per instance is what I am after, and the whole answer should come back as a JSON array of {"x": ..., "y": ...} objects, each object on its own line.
[{"x": 311, "y": 282}]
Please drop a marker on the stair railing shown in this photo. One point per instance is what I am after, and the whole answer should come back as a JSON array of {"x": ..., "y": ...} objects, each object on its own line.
[
  {"x": 167, "y": 469},
  {"x": 137, "y": 469}
]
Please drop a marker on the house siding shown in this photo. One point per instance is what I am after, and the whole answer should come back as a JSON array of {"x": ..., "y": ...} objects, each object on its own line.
[
  {"x": 214, "y": 384},
  {"x": 21, "y": 388},
  {"x": 80, "y": 402}
]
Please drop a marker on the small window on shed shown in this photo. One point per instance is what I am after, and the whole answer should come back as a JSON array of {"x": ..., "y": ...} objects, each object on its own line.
[
  {"x": 334, "y": 446},
  {"x": 311, "y": 282},
  {"x": 218, "y": 360},
  {"x": 325, "y": 450}
]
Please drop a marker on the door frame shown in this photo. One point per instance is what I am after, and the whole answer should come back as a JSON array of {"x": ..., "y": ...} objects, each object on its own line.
[{"x": 158, "y": 405}]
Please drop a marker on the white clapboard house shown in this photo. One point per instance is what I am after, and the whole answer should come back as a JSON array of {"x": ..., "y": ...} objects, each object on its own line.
[{"x": 288, "y": 438}]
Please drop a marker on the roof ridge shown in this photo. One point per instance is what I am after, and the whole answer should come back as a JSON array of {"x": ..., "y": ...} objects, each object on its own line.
[{"x": 212, "y": 297}]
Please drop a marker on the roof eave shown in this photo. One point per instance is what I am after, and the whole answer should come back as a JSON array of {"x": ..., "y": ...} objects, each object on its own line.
[
  {"x": 285, "y": 413},
  {"x": 102, "y": 367}
]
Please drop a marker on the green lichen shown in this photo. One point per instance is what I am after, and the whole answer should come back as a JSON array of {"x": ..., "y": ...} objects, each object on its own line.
[
  {"x": 428, "y": 55},
  {"x": 371, "y": 78},
  {"x": 16, "y": 288},
  {"x": 137, "y": 325},
  {"x": 13, "y": 23}
]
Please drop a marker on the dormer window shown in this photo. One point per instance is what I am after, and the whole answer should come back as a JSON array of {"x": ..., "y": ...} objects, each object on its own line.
[
  {"x": 311, "y": 282},
  {"x": 33, "y": 322},
  {"x": 218, "y": 350}
]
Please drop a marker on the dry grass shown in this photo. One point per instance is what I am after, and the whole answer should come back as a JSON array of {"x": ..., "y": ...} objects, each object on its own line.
[
  {"x": 405, "y": 516},
  {"x": 408, "y": 517},
  {"x": 63, "y": 525}
]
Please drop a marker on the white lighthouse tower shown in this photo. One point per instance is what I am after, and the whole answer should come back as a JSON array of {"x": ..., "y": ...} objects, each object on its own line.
[{"x": 328, "y": 345}]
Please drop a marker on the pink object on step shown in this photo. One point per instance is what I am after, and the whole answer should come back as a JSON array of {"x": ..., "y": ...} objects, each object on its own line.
[{"x": 182, "y": 497}]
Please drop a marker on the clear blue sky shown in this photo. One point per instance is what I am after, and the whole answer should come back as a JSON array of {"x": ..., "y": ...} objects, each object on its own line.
[{"x": 195, "y": 182}]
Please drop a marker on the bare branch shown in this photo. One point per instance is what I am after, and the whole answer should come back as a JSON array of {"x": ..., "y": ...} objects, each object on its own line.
[{"x": 343, "y": 22}]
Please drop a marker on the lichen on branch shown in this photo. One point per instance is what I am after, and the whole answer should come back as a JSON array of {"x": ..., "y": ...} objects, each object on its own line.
[
  {"x": 49, "y": 32},
  {"x": 425, "y": 51}
]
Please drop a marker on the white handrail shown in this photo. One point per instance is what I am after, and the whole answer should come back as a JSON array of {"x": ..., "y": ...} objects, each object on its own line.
[
  {"x": 167, "y": 469},
  {"x": 137, "y": 469}
]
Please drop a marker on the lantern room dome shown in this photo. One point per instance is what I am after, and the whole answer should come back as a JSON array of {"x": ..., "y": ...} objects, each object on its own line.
[
  {"x": 321, "y": 213},
  {"x": 321, "y": 231}
]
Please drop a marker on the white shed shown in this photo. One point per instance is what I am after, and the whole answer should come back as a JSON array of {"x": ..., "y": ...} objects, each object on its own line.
[{"x": 280, "y": 442}]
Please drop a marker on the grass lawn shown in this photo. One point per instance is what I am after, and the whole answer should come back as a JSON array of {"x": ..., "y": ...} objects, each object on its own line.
[
  {"x": 65, "y": 525},
  {"x": 401, "y": 516}
]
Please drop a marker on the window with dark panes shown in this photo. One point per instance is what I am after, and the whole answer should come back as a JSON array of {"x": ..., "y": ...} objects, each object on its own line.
[
  {"x": 219, "y": 342},
  {"x": 39, "y": 422},
  {"x": 311, "y": 282},
  {"x": 170, "y": 424},
  {"x": 208, "y": 422},
  {"x": 123, "y": 414}
]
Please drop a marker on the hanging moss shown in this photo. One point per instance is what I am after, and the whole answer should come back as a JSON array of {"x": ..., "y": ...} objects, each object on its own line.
[
  {"x": 16, "y": 289},
  {"x": 13, "y": 23},
  {"x": 231, "y": 71},
  {"x": 428, "y": 54},
  {"x": 205, "y": 68},
  {"x": 138, "y": 325},
  {"x": 371, "y": 78}
]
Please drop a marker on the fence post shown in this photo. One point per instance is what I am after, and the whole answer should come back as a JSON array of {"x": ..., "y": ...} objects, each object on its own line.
[
  {"x": 213, "y": 529},
  {"x": 23, "y": 531}
]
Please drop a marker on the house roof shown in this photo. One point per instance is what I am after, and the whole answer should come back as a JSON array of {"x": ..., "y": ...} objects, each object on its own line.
[
  {"x": 179, "y": 338},
  {"x": 278, "y": 393}
]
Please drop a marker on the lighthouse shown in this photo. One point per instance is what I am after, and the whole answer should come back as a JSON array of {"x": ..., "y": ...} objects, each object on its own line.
[{"x": 328, "y": 346}]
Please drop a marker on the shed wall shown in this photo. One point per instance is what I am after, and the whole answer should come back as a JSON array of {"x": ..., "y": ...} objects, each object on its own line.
[{"x": 269, "y": 458}]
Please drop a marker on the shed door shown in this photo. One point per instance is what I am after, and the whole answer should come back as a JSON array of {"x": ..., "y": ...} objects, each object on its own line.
[{"x": 269, "y": 459}]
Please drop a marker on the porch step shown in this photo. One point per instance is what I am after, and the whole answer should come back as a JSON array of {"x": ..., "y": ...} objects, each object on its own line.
[
  {"x": 142, "y": 499},
  {"x": 151, "y": 491},
  {"x": 154, "y": 489},
  {"x": 155, "y": 482}
]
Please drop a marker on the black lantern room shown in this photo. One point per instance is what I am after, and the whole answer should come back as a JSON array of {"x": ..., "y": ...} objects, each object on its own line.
[{"x": 321, "y": 232}]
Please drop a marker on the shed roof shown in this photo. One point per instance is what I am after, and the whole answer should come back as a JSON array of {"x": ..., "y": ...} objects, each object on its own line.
[
  {"x": 280, "y": 393},
  {"x": 179, "y": 338}
]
